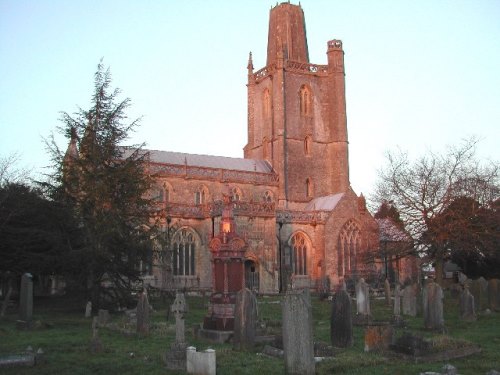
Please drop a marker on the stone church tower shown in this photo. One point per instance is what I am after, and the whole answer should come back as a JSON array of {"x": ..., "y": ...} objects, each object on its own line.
[
  {"x": 297, "y": 112},
  {"x": 302, "y": 224}
]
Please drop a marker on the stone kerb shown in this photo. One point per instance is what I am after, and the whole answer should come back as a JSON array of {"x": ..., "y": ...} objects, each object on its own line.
[{"x": 298, "y": 342}]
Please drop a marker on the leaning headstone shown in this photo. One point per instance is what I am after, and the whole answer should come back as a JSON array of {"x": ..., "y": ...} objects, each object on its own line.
[
  {"x": 341, "y": 320},
  {"x": 103, "y": 317},
  {"x": 387, "y": 292},
  {"x": 493, "y": 296},
  {"x": 245, "y": 320},
  {"x": 143, "y": 313},
  {"x": 175, "y": 358},
  {"x": 483, "y": 285},
  {"x": 88, "y": 309},
  {"x": 467, "y": 307},
  {"x": 298, "y": 342},
  {"x": 26, "y": 300},
  {"x": 410, "y": 300},
  {"x": 433, "y": 306}
]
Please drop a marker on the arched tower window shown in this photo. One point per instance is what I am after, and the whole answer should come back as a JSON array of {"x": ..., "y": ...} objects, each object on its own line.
[
  {"x": 201, "y": 195},
  {"x": 236, "y": 194},
  {"x": 307, "y": 145},
  {"x": 299, "y": 254},
  {"x": 266, "y": 103},
  {"x": 183, "y": 257},
  {"x": 157, "y": 193},
  {"x": 305, "y": 95},
  {"x": 309, "y": 188},
  {"x": 349, "y": 245}
]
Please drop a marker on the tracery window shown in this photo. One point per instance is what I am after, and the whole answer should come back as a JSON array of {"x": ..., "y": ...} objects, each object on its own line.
[
  {"x": 299, "y": 254},
  {"x": 305, "y": 101},
  {"x": 236, "y": 194},
  {"x": 268, "y": 196},
  {"x": 183, "y": 257},
  {"x": 349, "y": 245}
]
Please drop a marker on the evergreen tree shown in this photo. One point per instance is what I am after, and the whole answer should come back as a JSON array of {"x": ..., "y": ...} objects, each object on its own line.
[{"x": 106, "y": 184}]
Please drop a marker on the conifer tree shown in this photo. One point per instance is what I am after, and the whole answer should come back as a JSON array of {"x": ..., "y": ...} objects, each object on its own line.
[{"x": 106, "y": 186}]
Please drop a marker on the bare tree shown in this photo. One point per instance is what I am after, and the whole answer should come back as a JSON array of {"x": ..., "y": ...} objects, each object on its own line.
[{"x": 422, "y": 189}]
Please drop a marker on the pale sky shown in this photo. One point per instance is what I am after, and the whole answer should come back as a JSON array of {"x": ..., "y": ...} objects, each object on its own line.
[{"x": 419, "y": 74}]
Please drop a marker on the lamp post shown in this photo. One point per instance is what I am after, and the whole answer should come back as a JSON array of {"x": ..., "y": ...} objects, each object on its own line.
[{"x": 280, "y": 277}]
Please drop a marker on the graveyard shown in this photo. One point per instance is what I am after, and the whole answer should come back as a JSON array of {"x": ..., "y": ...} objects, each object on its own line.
[{"x": 67, "y": 342}]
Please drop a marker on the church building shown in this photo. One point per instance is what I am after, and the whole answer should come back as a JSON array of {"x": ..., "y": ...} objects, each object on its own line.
[{"x": 303, "y": 225}]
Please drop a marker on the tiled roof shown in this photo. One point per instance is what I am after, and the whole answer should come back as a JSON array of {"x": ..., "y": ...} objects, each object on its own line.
[
  {"x": 390, "y": 232},
  {"x": 209, "y": 161},
  {"x": 326, "y": 203}
]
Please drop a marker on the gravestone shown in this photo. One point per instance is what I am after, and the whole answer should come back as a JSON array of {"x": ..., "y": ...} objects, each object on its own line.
[
  {"x": 397, "y": 300},
  {"x": 341, "y": 320},
  {"x": 478, "y": 289},
  {"x": 493, "y": 295},
  {"x": 142, "y": 313},
  {"x": 467, "y": 307},
  {"x": 298, "y": 342},
  {"x": 200, "y": 363},
  {"x": 410, "y": 300},
  {"x": 433, "y": 306},
  {"x": 95, "y": 342},
  {"x": 363, "y": 297},
  {"x": 88, "y": 309},
  {"x": 26, "y": 300},
  {"x": 103, "y": 317},
  {"x": 245, "y": 320},
  {"x": 175, "y": 358},
  {"x": 378, "y": 337},
  {"x": 387, "y": 292}
]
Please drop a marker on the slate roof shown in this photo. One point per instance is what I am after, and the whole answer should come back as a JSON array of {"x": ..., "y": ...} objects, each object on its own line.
[
  {"x": 208, "y": 161},
  {"x": 326, "y": 203},
  {"x": 390, "y": 232}
]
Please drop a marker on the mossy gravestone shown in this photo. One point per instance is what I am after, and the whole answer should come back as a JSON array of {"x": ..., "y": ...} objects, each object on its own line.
[{"x": 341, "y": 320}]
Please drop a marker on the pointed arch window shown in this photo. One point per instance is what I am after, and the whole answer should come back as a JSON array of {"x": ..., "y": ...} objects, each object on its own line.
[
  {"x": 349, "y": 245},
  {"x": 236, "y": 194},
  {"x": 305, "y": 95},
  {"x": 183, "y": 257},
  {"x": 268, "y": 196},
  {"x": 200, "y": 196},
  {"x": 299, "y": 254}
]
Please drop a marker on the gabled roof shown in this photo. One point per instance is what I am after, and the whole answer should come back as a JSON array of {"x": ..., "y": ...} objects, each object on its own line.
[
  {"x": 209, "y": 161},
  {"x": 326, "y": 203},
  {"x": 390, "y": 232}
]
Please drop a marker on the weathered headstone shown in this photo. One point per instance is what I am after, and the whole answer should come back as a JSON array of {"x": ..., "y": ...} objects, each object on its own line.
[
  {"x": 410, "y": 300},
  {"x": 103, "y": 317},
  {"x": 433, "y": 306},
  {"x": 143, "y": 313},
  {"x": 493, "y": 295},
  {"x": 387, "y": 292},
  {"x": 88, "y": 309},
  {"x": 200, "y": 363},
  {"x": 298, "y": 342},
  {"x": 26, "y": 299},
  {"x": 397, "y": 300},
  {"x": 341, "y": 320},
  {"x": 175, "y": 358},
  {"x": 479, "y": 289},
  {"x": 95, "y": 342},
  {"x": 363, "y": 297},
  {"x": 467, "y": 307},
  {"x": 245, "y": 320}
]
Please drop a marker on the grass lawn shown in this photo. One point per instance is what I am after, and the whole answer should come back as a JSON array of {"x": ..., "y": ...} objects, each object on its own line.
[{"x": 66, "y": 334}]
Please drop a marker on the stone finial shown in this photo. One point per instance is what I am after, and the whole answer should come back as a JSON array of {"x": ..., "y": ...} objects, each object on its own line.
[{"x": 250, "y": 63}]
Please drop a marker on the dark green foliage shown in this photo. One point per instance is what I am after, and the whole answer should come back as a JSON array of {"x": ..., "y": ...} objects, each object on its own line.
[{"x": 106, "y": 186}]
